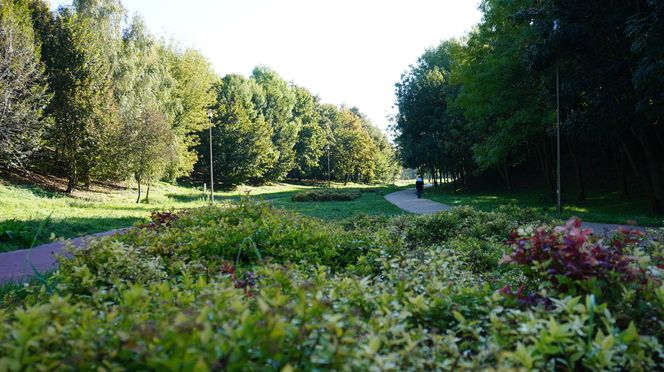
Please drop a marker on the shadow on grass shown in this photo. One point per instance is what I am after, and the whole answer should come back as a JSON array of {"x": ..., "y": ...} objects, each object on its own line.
[
  {"x": 19, "y": 234},
  {"x": 601, "y": 205}
]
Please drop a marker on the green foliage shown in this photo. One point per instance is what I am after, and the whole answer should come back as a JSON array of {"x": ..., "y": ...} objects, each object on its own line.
[
  {"x": 242, "y": 147},
  {"x": 192, "y": 95},
  {"x": 253, "y": 233},
  {"x": 463, "y": 222},
  {"x": 22, "y": 85},
  {"x": 485, "y": 106},
  {"x": 79, "y": 76},
  {"x": 326, "y": 195},
  {"x": 162, "y": 298}
]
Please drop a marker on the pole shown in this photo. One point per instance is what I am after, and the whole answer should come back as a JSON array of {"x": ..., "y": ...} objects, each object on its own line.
[
  {"x": 211, "y": 161},
  {"x": 329, "y": 176},
  {"x": 559, "y": 204}
]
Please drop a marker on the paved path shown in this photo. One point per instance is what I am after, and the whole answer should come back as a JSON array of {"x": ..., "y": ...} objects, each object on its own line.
[
  {"x": 18, "y": 265},
  {"x": 408, "y": 201}
]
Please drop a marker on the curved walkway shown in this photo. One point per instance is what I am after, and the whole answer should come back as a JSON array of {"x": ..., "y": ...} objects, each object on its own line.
[
  {"x": 19, "y": 265},
  {"x": 408, "y": 201}
]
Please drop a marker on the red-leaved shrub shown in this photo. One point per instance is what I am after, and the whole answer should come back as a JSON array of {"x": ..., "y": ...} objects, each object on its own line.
[{"x": 571, "y": 260}]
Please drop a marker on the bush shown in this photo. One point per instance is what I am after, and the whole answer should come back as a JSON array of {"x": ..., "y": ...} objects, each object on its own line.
[
  {"x": 192, "y": 294},
  {"x": 249, "y": 233},
  {"x": 440, "y": 227},
  {"x": 323, "y": 195},
  {"x": 571, "y": 261}
]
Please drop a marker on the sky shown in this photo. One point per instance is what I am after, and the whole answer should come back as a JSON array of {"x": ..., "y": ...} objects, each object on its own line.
[{"x": 348, "y": 52}]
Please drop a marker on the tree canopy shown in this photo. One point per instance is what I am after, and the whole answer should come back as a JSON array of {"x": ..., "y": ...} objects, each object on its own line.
[{"x": 486, "y": 103}]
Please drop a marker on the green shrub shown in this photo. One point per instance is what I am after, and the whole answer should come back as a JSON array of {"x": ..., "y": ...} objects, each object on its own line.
[
  {"x": 480, "y": 256},
  {"x": 323, "y": 195},
  {"x": 193, "y": 294},
  {"x": 249, "y": 233}
]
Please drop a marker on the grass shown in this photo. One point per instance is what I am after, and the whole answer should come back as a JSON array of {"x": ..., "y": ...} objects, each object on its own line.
[
  {"x": 370, "y": 203},
  {"x": 601, "y": 205},
  {"x": 23, "y": 209}
]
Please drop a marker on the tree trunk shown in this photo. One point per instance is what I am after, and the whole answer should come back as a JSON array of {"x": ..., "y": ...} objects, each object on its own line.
[
  {"x": 86, "y": 177},
  {"x": 433, "y": 173},
  {"x": 655, "y": 188},
  {"x": 505, "y": 174},
  {"x": 579, "y": 175},
  {"x": 147, "y": 191},
  {"x": 71, "y": 178},
  {"x": 624, "y": 191},
  {"x": 540, "y": 154},
  {"x": 138, "y": 181}
]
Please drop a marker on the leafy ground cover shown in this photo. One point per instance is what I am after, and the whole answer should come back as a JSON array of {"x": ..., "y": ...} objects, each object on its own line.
[
  {"x": 601, "y": 205},
  {"x": 31, "y": 213},
  {"x": 252, "y": 287}
]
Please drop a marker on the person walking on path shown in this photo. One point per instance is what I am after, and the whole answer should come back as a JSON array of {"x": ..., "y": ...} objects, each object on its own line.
[{"x": 419, "y": 185}]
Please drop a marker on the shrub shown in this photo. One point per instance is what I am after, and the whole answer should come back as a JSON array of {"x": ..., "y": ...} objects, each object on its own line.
[
  {"x": 574, "y": 261},
  {"x": 571, "y": 261},
  {"x": 323, "y": 195},
  {"x": 463, "y": 221},
  {"x": 177, "y": 297},
  {"x": 248, "y": 233}
]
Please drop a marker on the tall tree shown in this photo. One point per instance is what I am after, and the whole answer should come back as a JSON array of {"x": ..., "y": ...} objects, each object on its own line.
[
  {"x": 311, "y": 139},
  {"x": 646, "y": 33},
  {"x": 277, "y": 109},
  {"x": 22, "y": 85},
  {"x": 192, "y": 95},
  {"x": 151, "y": 147},
  {"x": 79, "y": 77},
  {"x": 242, "y": 146},
  {"x": 143, "y": 90}
]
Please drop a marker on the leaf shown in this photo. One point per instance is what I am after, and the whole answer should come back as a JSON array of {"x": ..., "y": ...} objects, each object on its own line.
[
  {"x": 630, "y": 334},
  {"x": 459, "y": 317}
]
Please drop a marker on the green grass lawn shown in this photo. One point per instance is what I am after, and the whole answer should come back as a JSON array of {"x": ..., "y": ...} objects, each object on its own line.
[
  {"x": 601, "y": 205},
  {"x": 30, "y": 213}
]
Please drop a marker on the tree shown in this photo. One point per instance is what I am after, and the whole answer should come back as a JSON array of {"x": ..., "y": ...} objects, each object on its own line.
[
  {"x": 143, "y": 90},
  {"x": 22, "y": 85},
  {"x": 193, "y": 93},
  {"x": 151, "y": 147},
  {"x": 432, "y": 133},
  {"x": 646, "y": 33},
  {"x": 79, "y": 79},
  {"x": 276, "y": 107},
  {"x": 311, "y": 138},
  {"x": 242, "y": 145},
  {"x": 353, "y": 150}
]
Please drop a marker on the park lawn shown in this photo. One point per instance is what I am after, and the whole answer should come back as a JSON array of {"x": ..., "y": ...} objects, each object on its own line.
[
  {"x": 370, "y": 203},
  {"x": 601, "y": 205},
  {"x": 30, "y": 215}
]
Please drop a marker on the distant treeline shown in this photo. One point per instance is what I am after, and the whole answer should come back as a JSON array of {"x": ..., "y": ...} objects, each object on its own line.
[
  {"x": 87, "y": 94},
  {"x": 487, "y": 103}
]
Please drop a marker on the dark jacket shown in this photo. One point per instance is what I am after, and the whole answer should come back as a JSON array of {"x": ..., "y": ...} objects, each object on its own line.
[{"x": 419, "y": 185}]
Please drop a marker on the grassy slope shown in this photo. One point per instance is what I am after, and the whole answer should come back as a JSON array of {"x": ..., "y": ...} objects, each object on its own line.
[
  {"x": 601, "y": 205},
  {"x": 24, "y": 209}
]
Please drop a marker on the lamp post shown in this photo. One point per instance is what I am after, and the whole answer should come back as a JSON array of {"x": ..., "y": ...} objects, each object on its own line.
[
  {"x": 559, "y": 203},
  {"x": 329, "y": 179},
  {"x": 211, "y": 161}
]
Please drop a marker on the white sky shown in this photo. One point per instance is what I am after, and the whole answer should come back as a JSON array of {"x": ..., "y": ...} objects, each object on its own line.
[{"x": 347, "y": 51}]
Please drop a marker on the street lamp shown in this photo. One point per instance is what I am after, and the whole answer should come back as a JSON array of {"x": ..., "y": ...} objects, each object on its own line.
[
  {"x": 559, "y": 203},
  {"x": 329, "y": 179},
  {"x": 211, "y": 161}
]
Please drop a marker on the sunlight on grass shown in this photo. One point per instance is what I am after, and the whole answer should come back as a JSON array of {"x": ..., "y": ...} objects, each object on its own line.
[
  {"x": 576, "y": 209},
  {"x": 23, "y": 208}
]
